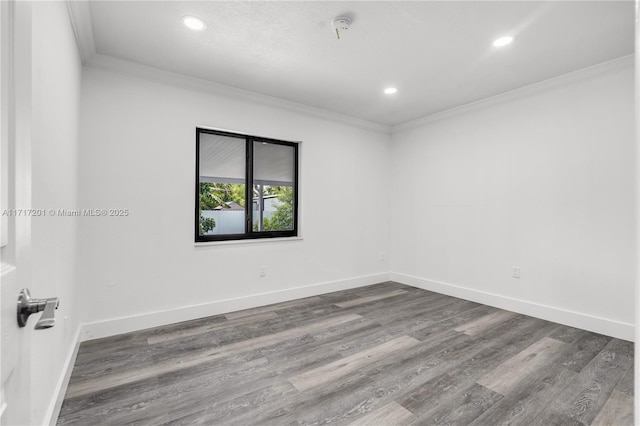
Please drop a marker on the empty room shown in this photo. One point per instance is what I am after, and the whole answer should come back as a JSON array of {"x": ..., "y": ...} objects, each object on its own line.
[{"x": 318, "y": 212}]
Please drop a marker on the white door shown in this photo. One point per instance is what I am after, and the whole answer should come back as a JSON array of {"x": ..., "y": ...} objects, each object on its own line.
[{"x": 15, "y": 125}]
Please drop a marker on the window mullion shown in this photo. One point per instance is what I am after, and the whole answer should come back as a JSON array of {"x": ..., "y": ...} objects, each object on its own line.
[{"x": 249, "y": 187}]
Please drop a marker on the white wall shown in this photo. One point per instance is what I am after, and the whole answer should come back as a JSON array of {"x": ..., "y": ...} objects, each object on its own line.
[
  {"x": 56, "y": 74},
  {"x": 543, "y": 178},
  {"x": 138, "y": 152}
]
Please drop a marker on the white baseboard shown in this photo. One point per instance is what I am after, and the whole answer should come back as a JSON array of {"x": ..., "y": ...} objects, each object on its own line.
[
  {"x": 51, "y": 416},
  {"x": 112, "y": 327},
  {"x": 600, "y": 325}
]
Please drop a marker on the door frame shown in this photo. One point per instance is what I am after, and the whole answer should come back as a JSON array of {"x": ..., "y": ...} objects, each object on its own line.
[{"x": 15, "y": 177}]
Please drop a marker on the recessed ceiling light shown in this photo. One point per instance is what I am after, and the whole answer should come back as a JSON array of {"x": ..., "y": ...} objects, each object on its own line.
[
  {"x": 503, "y": 41},
  {"x": 194, "y": 23},
  {"x": 390, "y": 90}
]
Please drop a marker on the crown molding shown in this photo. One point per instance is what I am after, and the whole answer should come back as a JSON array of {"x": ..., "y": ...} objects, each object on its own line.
[
  {"x": 110, "y": 63},
  {"x": 521, "y": 92},
  {"x": 80, "y": 14}
]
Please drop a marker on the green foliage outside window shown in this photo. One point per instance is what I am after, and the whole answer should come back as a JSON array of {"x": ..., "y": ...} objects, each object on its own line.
[
  {"x": 214, "y": 195},
  {"x": 206, "y": 224},
  {"x": 282, "y": 218}
]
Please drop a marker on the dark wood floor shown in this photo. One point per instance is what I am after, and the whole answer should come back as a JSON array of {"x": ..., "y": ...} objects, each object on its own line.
[{"x": 385, "y": 354}]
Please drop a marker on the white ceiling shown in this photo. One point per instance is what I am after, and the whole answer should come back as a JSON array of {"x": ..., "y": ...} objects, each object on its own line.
[{"x": 438, "y": 54}]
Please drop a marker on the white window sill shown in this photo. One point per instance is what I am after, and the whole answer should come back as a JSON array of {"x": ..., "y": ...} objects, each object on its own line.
[{"x": 248, "y": 241}]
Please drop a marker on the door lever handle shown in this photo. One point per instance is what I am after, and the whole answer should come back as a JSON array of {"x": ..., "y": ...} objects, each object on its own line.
[{"x": 28, "y": 306}]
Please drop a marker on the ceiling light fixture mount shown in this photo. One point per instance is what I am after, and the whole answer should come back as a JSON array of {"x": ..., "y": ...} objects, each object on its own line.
[
  {"x": 503, "y": 41},
  {"x": 390, "y": 90},
  {"x": 341, "y": 23},
  {"x": 194, "y": 23}
]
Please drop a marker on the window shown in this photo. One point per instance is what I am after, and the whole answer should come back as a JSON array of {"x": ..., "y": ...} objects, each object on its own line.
[{"x": 246, "y": 187}]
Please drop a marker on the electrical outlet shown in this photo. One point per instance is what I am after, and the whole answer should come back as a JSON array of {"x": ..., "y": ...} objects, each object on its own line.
[
  {"x": 263, "y": 271},
  {"x": 382, "y": 256},
  {"x": 515, "y": 271}
]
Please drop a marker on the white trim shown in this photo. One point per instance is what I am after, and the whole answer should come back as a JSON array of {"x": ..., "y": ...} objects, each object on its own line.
[
  {"x": 637, "y": 212},
  {"x": 520, "y": 93},
  {"x": 112, "y": 327},
  {"x": 609, "y": 327},
  {"x": 237, "y": 132},
  {"x": 248, "y": 241},
  {"x": 6, "y": 269},
  {"x": 52, "y": 413},
  {"x": 80, "y": 16},
  {"x": 131, "y": 69}
]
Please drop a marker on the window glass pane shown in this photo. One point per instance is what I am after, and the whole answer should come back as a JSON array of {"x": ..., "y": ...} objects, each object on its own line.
[
  {"x": 273, "y": 187},
  {"x": 222, "y": 185}
]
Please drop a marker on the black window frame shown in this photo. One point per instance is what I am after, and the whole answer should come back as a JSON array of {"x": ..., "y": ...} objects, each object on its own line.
[{"x": 249, "y": 233}]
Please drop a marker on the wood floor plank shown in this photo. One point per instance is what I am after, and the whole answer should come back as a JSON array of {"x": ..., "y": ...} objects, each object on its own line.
[
  {"x": 392, "y": 355},
  {"x": 228, "y": 411},
  {"x": 102, "y": 346},
  {"x": 271, "y": 308},
  {"x": 568, "y": 334},
  {"x": 208, "y": 328},
  {"x": 507, "y": 375},
  {"x": 287, "y": 408},
  {"x": 189, "y": 360},
  {"x": 485, "y": 323},
  {"x": 390, "y": 329},
  {"x": 625, "y": 385},
  {"x": 140, "y": 403},
  {"x": 463, "y": 408},
  {"x": 386, "y": 379},
  {"x": 585, "y": 349},
  {"x": 391, "y": 414},
  {"x": 363, "y": 300},
  {"x": 452, "y": 322},
  {"x": 251, "y": 330},
  {"x": 451, "y": 310},
  {"x": 428, "y": 312},
  {"x": 589, "y": 391},
  {"x": 389, "y": 379},
  {"x": 617, "y": 411},
  {"x": 213, "y": 377},
  {"x": 353, "y": 293},
  {"x": 504, "y": 344},
  {"x": 116, "y": 396},
  {"x": 229, "y": 388},
  {"x": 350, "y": 364},
  {"x": 384, "y": 382},
  {"x": 388, "y": 308},
  {"x": 127, "y": 359},
  {"x": 331, "y": 340},
  {"x": 183, "y": 325},
  {"x": 526, "y": 401},
  {"x": 370, "y": 336}
]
